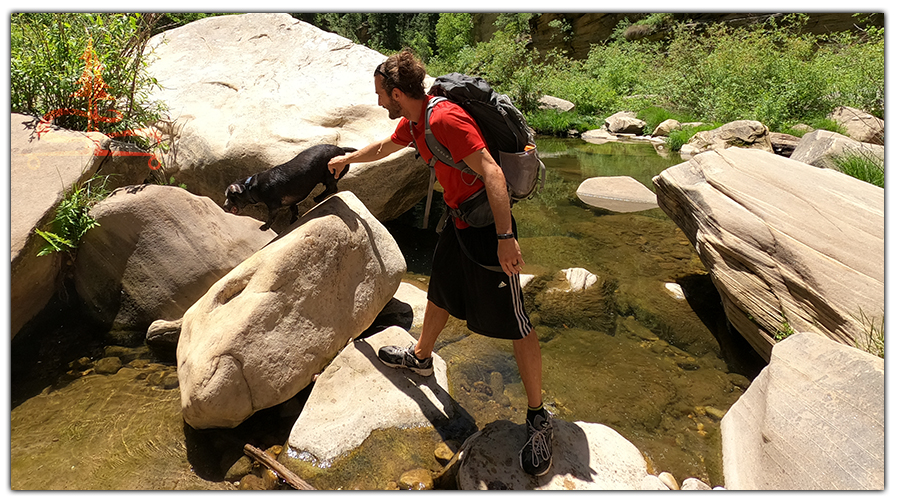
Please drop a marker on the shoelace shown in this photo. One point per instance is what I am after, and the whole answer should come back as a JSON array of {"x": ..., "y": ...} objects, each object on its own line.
[
  {"x": 540, "y": 448},
  {"x": 409, "y": 357}
]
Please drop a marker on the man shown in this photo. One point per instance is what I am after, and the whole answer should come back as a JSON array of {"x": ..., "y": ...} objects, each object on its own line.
[{"x": 490, "y": 302}]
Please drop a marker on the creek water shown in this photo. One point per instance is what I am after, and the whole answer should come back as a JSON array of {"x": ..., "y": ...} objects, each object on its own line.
[{"x": 660, "y": 369}]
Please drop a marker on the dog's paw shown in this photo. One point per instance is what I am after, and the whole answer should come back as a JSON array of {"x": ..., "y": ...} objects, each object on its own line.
[{"x": 264, "y": 227}]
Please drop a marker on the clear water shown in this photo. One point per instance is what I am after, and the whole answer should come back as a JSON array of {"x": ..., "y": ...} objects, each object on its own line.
[
  {"x": 658, "y": 370},
  {"x": 629, "y": 355}
]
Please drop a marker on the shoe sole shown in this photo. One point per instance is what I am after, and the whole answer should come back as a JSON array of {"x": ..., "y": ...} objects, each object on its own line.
[{"x": 421, "y": 371}]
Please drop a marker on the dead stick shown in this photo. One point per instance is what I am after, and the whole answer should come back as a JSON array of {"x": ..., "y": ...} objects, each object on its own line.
[{"x": 267, "y": 460}]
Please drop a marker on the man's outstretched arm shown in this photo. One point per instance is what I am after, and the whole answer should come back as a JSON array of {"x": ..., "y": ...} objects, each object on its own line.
[{"x": 375, "y": 151}]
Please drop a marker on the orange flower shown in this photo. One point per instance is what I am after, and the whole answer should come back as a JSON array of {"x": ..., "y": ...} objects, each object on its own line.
[{"x": 93, "y": 88}]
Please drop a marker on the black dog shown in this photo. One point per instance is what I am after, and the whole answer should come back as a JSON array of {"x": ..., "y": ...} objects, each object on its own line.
[{"x": 287, "y": 184}]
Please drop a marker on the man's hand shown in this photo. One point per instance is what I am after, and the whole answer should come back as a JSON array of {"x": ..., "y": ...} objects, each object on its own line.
[
  {"x": 374, "y": 151},
  {"x": 336, "y": 165},
  {"x": 510, "y": 256}
]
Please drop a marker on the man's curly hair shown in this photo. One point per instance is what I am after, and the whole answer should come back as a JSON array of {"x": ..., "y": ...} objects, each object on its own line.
[{"x": 403, "y": 71}]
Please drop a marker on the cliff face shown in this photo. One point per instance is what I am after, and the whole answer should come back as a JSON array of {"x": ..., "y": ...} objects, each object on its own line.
[{"x": 594, "y": 27}]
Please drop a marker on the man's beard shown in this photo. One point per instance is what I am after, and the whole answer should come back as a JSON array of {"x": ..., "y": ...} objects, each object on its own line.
[{"x": 393, "y": 108}]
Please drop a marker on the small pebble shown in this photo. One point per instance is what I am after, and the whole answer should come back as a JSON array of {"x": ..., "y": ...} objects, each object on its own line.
[
  {"x": 669, "y": 480},
  {"x": 416, "y": 479},
  {"x": 694, "y": 484},
  {"x": 443, "y": 452},
  {"x": 108, "y": 366}
]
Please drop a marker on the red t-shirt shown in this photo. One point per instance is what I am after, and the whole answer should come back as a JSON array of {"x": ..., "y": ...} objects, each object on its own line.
[{"x": 458, "y": 132}]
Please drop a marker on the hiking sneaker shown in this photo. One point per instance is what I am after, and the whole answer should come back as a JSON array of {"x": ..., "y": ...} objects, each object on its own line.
[
  {"x": 398, "y": 357},
  {"x": 537, "y": 454}
]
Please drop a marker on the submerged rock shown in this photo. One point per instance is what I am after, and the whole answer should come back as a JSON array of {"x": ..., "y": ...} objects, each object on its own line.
[{"x": 417, "y": 479}]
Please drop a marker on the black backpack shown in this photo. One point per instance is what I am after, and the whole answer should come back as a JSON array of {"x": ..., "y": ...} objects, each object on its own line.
[{"x": 508, "y": 137}]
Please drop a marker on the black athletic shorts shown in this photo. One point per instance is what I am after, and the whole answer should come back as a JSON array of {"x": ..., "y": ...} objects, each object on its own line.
[{"x": 490, "y": 302}]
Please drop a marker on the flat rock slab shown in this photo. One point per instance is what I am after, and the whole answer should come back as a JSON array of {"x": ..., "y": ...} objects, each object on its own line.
[
  {"x": 616, "y": 194},
  {"x": 812, "y": 420},
  {"x": 586, "y": 456},
  {"x": 357, "y": 394}
]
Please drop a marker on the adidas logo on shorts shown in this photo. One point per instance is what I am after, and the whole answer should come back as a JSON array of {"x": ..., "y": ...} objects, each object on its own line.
[{"x": 502, "y": 284}]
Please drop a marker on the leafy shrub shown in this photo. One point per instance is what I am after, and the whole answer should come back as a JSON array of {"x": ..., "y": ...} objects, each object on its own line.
[
  {"x": 73, "y": 220},
  {"x": 682, "y": 136},
  {"x": 763, "y": 72},
  {"x": 453, "y": 33},
  {"x": 770, "y": 72},
  {"x": 557, "y": 123},
  {"x": 48, "y": 59},
  {"x": 851, "y": 66}
]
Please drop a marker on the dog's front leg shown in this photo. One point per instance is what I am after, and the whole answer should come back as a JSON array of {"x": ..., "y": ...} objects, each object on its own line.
[
  {"x": 269, "y": 221},
  {"x": 295, "y": 214}
]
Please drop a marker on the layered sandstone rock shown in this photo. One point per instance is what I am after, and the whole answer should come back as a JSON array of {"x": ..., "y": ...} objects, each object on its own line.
[
  {"x": 789, "y": 246},
  {"x": 812, "y": 420}
]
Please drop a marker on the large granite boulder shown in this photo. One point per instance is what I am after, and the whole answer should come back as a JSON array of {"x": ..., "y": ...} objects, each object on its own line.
[
  {"x": 819, "y": 148},
  {"x": 248, "y": 92},
  {"x": 156, "y": 251},
  {"x": 788, "y": 245},
  {"x": 812, "y": 420},
  {"x": 586, "y": 456},
  {"x": 46, "y": 163},
  {"x": 357, "y": 394},
  {"x": 742, "y": 134},
  {"x": 860, "y": 126},
  {"x": 665, "y": 128},
  {"x": 261, "y": 333}
]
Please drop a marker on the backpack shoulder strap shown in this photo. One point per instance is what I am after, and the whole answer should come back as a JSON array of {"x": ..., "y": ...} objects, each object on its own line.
[{"x": 437, "y": 149}]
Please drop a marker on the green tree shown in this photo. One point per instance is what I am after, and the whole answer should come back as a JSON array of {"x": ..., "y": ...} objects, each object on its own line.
[{"x": 453, "y": 33}]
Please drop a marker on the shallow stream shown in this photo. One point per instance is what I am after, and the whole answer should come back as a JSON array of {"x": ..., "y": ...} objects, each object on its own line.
[{"x": 659, "y": 369}]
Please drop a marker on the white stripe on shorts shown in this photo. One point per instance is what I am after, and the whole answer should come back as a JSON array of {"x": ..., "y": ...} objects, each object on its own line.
[{"x": 515, "y": 288}]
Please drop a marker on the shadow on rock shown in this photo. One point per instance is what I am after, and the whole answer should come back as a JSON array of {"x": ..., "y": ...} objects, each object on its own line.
[
  {"x": 703, "y": 298},
  {"x": 452, "y": 421}
]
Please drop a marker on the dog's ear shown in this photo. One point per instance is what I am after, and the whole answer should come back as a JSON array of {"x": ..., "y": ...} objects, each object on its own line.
[{"x": 234, "y": 188}]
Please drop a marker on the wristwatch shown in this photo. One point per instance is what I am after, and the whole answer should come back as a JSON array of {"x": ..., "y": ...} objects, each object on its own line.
[{"x": 505, "y": 236}]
